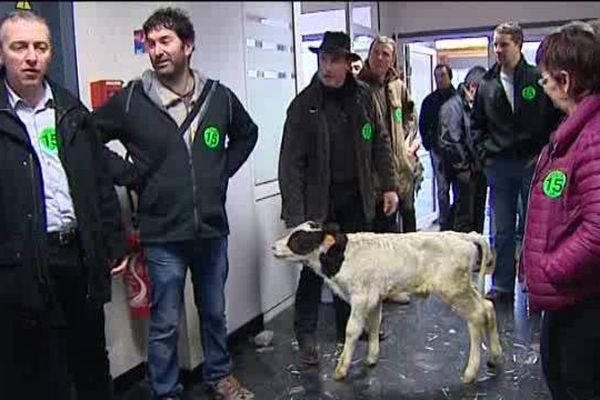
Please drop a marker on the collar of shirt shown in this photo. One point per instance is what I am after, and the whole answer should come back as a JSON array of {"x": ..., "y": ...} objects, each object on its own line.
[
  {"x": 16, "y": 101},
  {"x": 170, "y": 99}
]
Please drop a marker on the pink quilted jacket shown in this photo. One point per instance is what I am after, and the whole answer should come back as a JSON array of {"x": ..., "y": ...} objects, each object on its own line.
[{"x": 561, "y": 248}]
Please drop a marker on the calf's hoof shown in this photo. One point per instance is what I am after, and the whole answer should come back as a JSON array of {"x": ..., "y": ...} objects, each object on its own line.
[
  {"x": 340, "y": 373},
  {"x": 467, "y": 379},
  {"x": 371, "y": 361}
]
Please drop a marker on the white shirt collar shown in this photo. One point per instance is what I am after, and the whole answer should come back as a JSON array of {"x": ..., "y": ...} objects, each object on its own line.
[{"x": 14, "y": 99}]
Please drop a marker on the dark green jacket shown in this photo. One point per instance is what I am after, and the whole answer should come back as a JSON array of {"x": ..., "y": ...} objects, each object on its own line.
[{"x": 304, "y": 163}]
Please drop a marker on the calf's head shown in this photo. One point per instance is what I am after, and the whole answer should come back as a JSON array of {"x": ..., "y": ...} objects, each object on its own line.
[{"x": 318, "y": 247}]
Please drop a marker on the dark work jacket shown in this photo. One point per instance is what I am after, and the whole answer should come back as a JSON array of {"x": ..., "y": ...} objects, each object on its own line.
[
  {"x": 304, "y": 162},
  {"x": 500, "y": 132},
  {"x": 181, "y": 195},
  {"x": 23, "y": 249}
]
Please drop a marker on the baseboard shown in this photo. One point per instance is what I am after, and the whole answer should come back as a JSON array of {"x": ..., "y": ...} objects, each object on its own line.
[{"x": 137, "y": 374}]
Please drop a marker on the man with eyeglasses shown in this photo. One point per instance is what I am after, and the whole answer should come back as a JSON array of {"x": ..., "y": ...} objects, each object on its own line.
[{"x": 511, "y": 120}]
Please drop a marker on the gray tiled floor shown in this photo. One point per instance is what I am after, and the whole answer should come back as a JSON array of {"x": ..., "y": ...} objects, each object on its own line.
[{"x": 422, "y": 358}]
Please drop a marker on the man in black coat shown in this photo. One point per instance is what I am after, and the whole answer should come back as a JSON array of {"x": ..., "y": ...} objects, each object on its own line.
[
  {"x": 456, "y": 146},
  {"x": 333, "y": 140},
  {"x": 60, "y": 228},
  {"x": 511, "y": 121},
  {"x": 430, "y": 134}
]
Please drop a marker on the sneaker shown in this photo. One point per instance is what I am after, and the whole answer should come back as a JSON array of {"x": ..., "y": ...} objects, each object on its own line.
[
  {"x": 500, "y": 297},
  {"x": 229, "y": 388},
  {"x": 307, "y": 350}
]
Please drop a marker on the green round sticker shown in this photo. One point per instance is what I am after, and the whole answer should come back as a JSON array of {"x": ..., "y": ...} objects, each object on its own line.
[
  {"x": 212, "y": 137},
  {"x": 528, "y": 93},
  {"x": 398, "y": 114},
  {"x": 554, "y": 184},
  {"x": 48, "y": 140},
  {"x": 367, "y": 131}
]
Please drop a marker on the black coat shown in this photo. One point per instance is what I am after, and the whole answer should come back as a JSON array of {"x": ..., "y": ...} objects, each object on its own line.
[
  {"x": 429, "y": 117},
  {"x": 500, "y": 132},
  {"x": 181, "y": 195},
  {"x": 304, "y": 162},
  {"x": 23, "y": 250},
  {"x": 456, "y": 141}
]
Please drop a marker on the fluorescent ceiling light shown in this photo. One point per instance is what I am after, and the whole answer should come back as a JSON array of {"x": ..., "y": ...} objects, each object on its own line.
[{"x": 448, "y": 44}]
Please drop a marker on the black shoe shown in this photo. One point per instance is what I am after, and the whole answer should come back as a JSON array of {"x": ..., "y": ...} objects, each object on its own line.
[
  {"x": 500, "y": 297},
  {"x": 308, "y": 353}
]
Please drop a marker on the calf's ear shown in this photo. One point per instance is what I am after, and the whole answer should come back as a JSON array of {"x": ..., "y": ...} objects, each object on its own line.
[{"x": 303, "y": 242}]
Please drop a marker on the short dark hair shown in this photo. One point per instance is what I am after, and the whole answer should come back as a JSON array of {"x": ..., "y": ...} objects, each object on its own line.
[
  {"x": 440, "y": 66},
  {"x": 513, "y": 29},
  {"x": 474, "y": 75},
  {"x": 575, "y": 49},
  {"x": 174, "y": 19}
]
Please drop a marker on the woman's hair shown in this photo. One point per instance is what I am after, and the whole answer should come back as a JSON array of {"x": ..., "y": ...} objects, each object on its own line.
[{"x": 576, "y": 49}]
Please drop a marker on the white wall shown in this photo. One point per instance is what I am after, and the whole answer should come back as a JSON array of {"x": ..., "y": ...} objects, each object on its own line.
[
  {"x": 406, "y": 17},
  {"x": 104, "y": 45}
]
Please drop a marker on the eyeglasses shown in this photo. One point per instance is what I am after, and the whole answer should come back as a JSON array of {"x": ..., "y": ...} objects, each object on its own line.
[{"x": 543, "y": 81}]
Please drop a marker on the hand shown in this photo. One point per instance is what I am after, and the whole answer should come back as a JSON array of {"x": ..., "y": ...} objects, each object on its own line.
[
  {"x": 390, "y": 202},
  {"x": 464, "y": 176},
  {"x": 118, "y": 267}
]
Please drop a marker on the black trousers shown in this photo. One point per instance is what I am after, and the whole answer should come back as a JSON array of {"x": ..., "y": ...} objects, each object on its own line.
[
  {"x": 42, "y": 356},
  {"x": 570, "y": 350},
  {"x": 469, "y": 207},
  {"x": 346, "y": 210}
]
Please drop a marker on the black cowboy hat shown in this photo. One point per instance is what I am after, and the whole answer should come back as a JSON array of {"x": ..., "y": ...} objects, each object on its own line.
[{"x": 335, "y": 42}]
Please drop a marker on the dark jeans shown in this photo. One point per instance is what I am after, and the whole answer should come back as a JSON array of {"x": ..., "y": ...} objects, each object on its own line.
[
  {"x": 470, "y": 203},
  {"x": 570, "y": 349},
  {"x": 167, "y": 267},
  {"x": 346, "y": 210},
  {"x": 41, "y": 355},
  {"x": 443, "y": 180},
  {"x": 507, "y": 178}
]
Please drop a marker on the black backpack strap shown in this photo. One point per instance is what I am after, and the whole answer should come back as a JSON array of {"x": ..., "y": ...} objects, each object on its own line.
[{"x": 206, "y": 91}]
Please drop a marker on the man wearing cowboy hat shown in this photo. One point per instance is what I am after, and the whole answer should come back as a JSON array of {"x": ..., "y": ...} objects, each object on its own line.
[{"x": 333, "y": 138}]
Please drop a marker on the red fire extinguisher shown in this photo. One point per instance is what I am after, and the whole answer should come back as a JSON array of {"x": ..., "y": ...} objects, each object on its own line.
[{"x": 136, "y": 275}]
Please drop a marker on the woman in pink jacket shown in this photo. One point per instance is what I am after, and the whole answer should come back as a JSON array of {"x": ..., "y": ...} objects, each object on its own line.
[{"x": 561, "y": 253}]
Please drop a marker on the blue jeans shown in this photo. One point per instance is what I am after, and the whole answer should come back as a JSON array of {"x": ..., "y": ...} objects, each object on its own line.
[
  {"x": 507, "y": 179},
  {"x": 167, "y": 267}
]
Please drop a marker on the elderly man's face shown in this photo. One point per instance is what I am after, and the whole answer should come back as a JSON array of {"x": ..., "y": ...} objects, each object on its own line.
[{"x": 333, "y": 68}]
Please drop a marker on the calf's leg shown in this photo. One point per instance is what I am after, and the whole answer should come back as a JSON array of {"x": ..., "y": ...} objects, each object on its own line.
[
  {"x": 373, "y": 324},
  {"x": 356, "y": 323},
  {"x": 495, "y": 359}
]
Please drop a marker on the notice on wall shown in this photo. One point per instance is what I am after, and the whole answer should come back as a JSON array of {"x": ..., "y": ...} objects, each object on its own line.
[{"x": 138, "y": 41}]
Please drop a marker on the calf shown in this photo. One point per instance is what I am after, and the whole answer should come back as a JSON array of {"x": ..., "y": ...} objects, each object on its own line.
[{"x": 364, "y": 268}]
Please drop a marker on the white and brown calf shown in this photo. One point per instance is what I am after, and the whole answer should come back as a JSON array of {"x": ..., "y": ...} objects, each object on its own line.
[{"x": 363, "y": 268}]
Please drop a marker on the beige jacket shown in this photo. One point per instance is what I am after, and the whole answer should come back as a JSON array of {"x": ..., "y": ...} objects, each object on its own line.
[{"x": 404, "y": 137}]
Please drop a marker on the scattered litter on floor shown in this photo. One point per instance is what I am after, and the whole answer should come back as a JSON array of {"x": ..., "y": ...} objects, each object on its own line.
[
  {"x": 451, "y": 331},
  {"x": 264, "y": 339},
  {"x": 297, "y": 390},
  {"x": 431, "y": 337},
  {"x": 429, "y": 348},
  {"x": 446, "y": 392},
  {"x": 265, "y": 349},
  {"x": 532, "y": 358},
  {"x": 519, "y": 345}
]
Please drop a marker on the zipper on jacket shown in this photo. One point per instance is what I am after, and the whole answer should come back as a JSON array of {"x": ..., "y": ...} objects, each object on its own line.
[
  {"x": 194, "y": 187},
  {"x": 42, "y": 278},
  {"x": 533, "y": 177}
]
